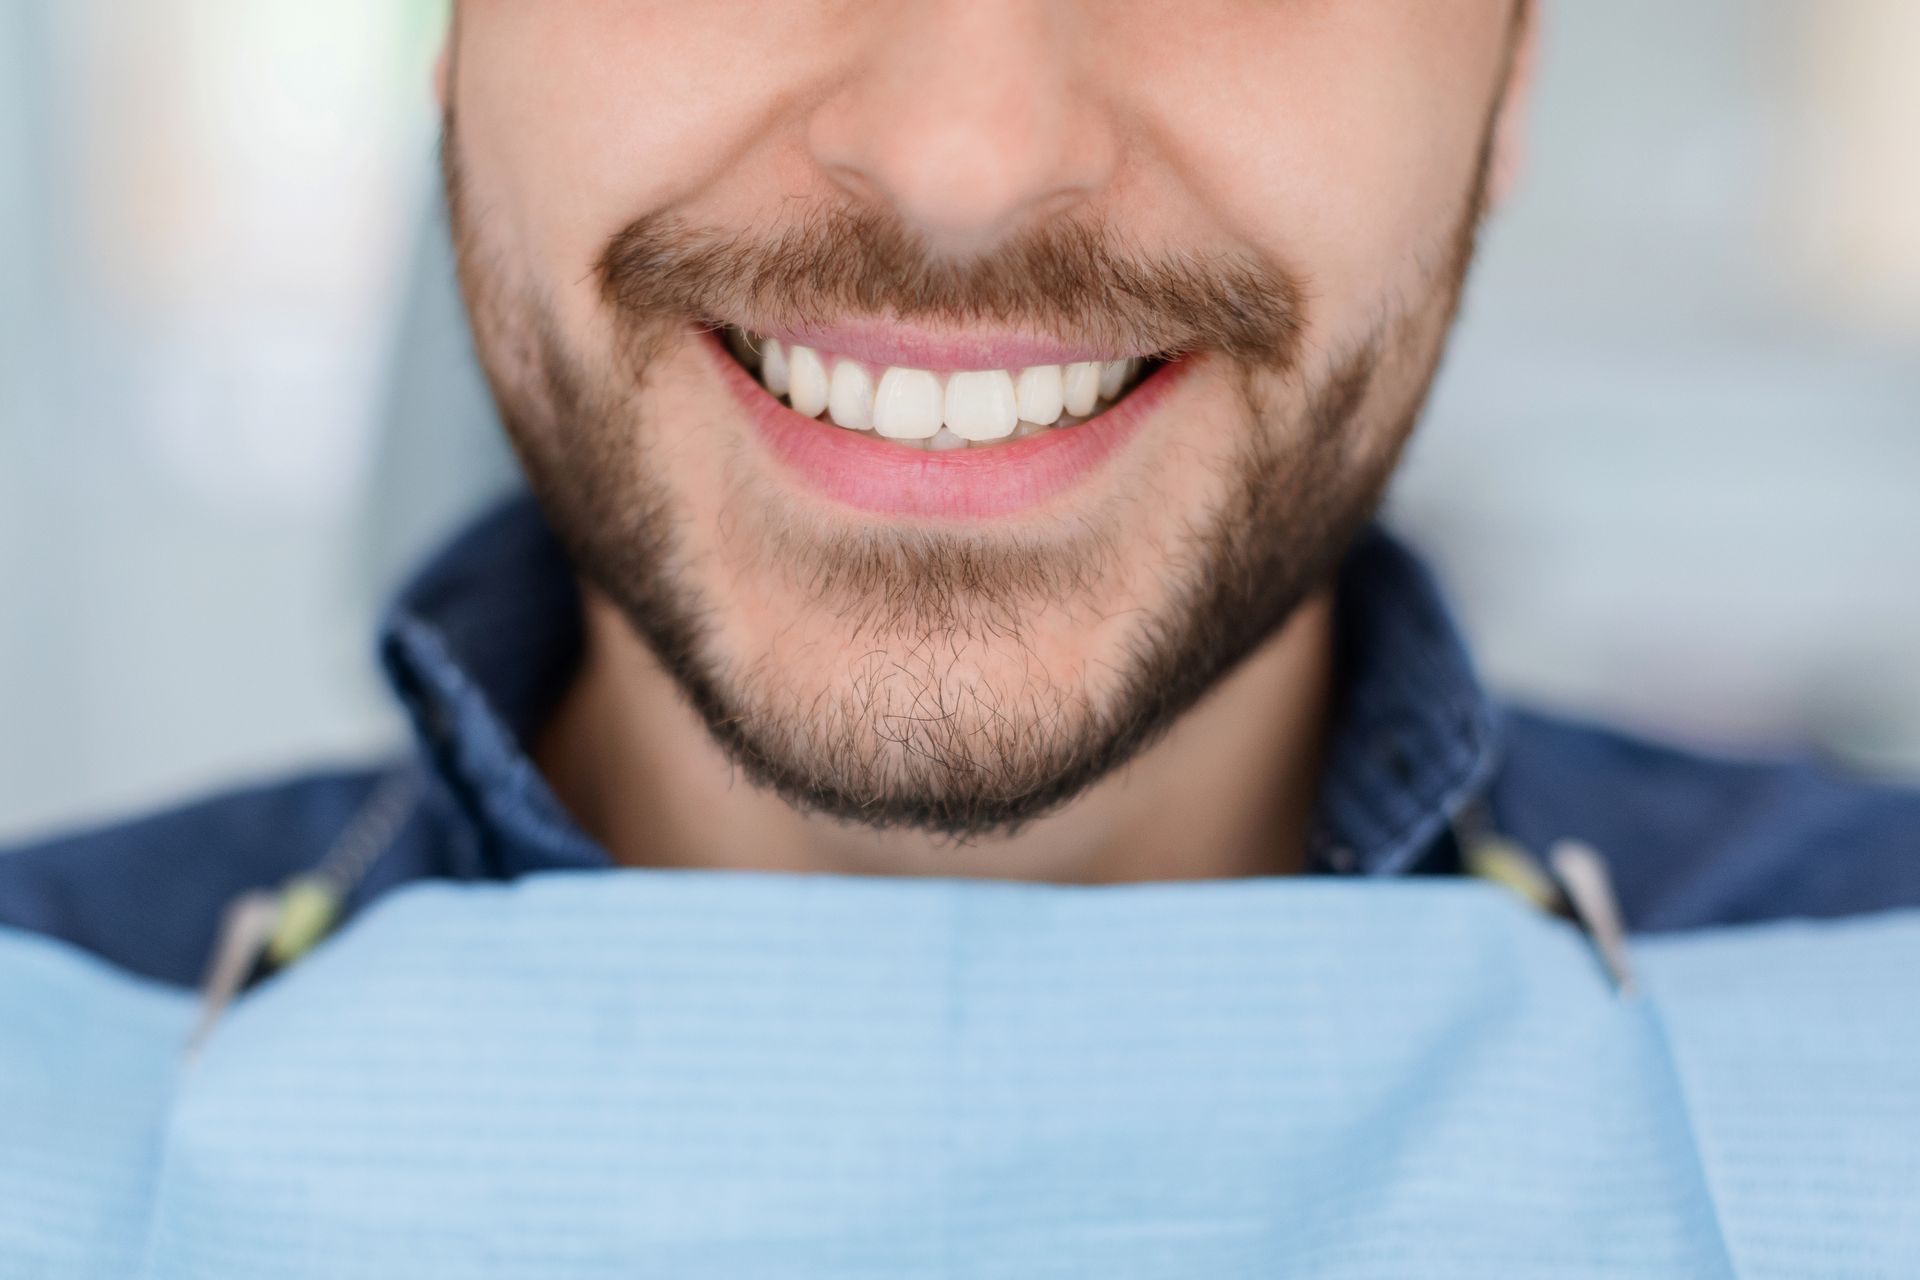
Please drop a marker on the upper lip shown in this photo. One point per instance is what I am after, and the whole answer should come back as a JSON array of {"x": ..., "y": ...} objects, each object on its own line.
[{"x": 884, "y": 343}]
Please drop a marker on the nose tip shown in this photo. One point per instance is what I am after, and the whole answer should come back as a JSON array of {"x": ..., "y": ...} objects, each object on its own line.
[
  {"x": 965, "y": 121},
  {"x": 961, "y": 182}
]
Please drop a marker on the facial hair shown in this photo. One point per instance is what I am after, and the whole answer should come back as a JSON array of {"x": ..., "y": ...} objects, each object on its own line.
[{"x": 903, "y": 737}]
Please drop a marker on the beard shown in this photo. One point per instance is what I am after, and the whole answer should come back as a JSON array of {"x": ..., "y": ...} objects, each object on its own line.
[{"x": 944, "y": 703}]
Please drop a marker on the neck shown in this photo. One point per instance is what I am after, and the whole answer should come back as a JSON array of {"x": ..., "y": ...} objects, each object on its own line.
[{"x": 1227, "y": 793}]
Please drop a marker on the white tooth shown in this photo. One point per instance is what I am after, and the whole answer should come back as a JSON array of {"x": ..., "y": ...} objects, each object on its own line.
[
  {"x": 944, "y": 440},
  {"x": 773, "y": 366},
  {"x": 1042, "y": 392},
  {"x": 1082, "y": 387},
  {"x": 980, "y": 406},
  {"x": 850, "y": 399},
  {"x": 1113, "y": 376},
  {"x": 908, "y": 405},
  {"x": 807, "y": 382}
]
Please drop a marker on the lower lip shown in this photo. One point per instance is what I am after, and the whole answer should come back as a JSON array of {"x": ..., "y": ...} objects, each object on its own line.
[{"x": 872, "y": 475}]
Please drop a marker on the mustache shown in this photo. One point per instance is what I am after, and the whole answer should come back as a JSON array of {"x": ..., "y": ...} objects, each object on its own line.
[{"x": 1073, "y": 280}]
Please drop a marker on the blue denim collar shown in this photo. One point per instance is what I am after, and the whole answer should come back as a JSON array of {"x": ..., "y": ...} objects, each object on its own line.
[
  {"x": 1415, "y": 736},
  {"x": 485, "y": 640}
]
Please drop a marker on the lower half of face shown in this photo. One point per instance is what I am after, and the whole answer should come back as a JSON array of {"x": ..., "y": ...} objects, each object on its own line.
[
  {"x": 948, "y": 599},
  {"x": 939, "y": 546}
]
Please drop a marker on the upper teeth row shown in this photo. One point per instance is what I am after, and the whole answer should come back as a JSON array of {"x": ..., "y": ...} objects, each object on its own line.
[{"x": 913, "y": 404}]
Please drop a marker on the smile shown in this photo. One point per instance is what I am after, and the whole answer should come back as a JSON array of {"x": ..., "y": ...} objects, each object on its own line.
[
  {"x": 933, "y": 410},
  {"x": 906, "y": 425}
]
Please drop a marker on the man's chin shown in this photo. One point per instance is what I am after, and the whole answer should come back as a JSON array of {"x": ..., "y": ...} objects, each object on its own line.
[{"x": 957, "y": 684}]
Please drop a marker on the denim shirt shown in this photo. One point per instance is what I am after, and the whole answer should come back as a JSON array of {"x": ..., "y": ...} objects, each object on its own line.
[{"x": 480, "y": 647}]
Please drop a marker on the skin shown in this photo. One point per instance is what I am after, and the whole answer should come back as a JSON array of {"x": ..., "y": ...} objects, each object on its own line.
[{"x": 1350, "y": 146}]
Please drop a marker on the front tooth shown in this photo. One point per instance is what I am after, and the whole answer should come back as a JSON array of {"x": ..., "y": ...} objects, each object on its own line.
[
  {"x": 1113, "y": 376},
  {"x": 850, "y": 399},
  {"x": 1042, "y": 392},
  {"x": 1082, "y": 387},
  {"x": 908, "y": 405},
  {"x": 773, "y": 367},
  {"x": 981, "y": 406},
  {"x": 806, "y": 382}
]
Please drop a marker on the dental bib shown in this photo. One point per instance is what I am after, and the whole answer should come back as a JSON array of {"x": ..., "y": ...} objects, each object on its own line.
[{"x": 728, "y": 1076}]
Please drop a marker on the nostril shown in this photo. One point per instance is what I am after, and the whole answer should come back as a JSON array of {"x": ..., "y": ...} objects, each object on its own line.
[
  {"x": 962, "y": 137},
  {"x": 955, "y": 196}
]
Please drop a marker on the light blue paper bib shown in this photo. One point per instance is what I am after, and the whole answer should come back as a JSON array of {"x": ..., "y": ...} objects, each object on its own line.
[{"x": 663, "y": 1075}]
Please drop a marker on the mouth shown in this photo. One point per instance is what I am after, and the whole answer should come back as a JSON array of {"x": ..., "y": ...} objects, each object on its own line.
[
  {"x": 936, "y": 410},
  {"x": 908, "y": 425}
]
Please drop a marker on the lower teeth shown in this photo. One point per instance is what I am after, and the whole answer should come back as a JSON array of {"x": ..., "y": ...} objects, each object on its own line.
[{"x": 944, "y": 440}]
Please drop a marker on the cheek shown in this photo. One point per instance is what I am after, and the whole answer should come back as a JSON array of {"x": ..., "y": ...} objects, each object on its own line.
[
  {"x": 1339, "y": 138},
  {"x": 576, "y": 118}
]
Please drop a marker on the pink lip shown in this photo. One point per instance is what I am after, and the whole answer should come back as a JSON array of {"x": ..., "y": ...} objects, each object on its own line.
[
  {"x": 886, "y": 479},
  {"x": 917, "y": 348}
]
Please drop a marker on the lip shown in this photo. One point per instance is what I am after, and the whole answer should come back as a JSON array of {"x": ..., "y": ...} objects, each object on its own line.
[
  {"x": 885, "y": 479},
  {"x": 913, "y": 347}
]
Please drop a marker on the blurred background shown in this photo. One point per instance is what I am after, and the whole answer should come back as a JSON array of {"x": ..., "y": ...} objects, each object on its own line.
[{"x": 1671, "y": 474}]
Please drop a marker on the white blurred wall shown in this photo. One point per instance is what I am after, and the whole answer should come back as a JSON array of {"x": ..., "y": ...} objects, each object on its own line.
[
  {"x": 1670, "y": 474},
  {"x": 217, "y": 203},
  {"x": 1672, "y": 471}
]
